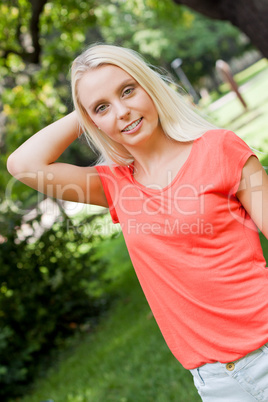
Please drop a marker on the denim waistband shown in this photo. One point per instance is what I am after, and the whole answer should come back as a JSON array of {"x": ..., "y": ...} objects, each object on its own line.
[{"x": 231, "y": 367}]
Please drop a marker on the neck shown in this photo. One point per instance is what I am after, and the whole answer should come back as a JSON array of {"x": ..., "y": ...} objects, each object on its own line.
[{"x": 154, "y": 152}]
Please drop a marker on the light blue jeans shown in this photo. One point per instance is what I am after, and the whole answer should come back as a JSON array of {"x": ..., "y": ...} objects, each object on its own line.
[{"x": 244, "y": 380}]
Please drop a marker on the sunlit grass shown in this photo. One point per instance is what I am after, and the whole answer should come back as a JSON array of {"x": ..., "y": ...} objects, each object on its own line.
[
  {"x": 251, "y": 125},
  {"x": 124, "y": 360},
  {"x": 241, "y": 78}
]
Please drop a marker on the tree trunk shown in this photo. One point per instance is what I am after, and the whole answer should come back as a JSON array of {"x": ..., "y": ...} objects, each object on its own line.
[
  {"x": 37, "y": 8},
  {"x": 250, "y": 16}
]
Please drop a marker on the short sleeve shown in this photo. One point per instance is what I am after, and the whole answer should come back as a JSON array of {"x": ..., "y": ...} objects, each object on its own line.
[
  {"x": 105, "y": 174},
  {"x": 234, "y": 153}
]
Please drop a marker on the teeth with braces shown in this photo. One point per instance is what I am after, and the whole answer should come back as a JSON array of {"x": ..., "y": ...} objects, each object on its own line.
[{"x": 133, "y": 125}]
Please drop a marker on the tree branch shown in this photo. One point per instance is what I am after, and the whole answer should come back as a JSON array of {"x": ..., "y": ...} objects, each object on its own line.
[
  {"x": 210, "y": 8},
  {"x": 250, "y": 16}
]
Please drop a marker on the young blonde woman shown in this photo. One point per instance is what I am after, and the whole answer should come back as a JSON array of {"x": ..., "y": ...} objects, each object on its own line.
[{"x": 189, "y": 198}]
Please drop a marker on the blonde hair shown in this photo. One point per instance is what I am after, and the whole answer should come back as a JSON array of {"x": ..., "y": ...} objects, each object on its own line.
[{"x": 178, "y": 120}]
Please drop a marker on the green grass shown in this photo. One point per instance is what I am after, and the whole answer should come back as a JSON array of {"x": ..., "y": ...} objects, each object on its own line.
[
  {"x": 241, "y": 78},
  {"x": 125, "y": 359},
  {"x": 251, "y": 72},
  {"x": 252, "y": 124}
]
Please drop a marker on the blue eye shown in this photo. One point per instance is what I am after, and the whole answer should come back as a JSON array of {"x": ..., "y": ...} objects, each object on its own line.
[
  {"x": 128, "y": 91},
  {"x": 101, "y": 108}
]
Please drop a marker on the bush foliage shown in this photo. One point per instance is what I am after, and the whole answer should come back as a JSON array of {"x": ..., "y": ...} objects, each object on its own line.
[{"x": 49, "y": 287}]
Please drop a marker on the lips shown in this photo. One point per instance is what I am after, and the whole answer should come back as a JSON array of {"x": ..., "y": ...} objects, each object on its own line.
[{"x": 132, "y": 125}]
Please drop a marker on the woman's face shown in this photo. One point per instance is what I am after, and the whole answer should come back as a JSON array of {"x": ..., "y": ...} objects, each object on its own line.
[{"x": 118, "y": 105}]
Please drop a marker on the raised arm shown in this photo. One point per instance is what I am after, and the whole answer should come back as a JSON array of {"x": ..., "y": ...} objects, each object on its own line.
[{"x": 34, "y": 163}]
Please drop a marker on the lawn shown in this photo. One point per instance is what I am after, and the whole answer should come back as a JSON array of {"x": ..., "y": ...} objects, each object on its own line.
[
  {"x": 126, "y": 359},
  {"x": 251, "y": 125}
]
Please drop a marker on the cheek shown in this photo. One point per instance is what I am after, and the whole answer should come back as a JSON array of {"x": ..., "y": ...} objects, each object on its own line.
[
  {"x": 153, "y": 110},
  {"x": 149, "y": 105},
  {"x": 106, "y": 125},
  {"x": 97, "y": 121},
  {"x": 93, "y": 122},
  {"x": 91, "y": 119}
]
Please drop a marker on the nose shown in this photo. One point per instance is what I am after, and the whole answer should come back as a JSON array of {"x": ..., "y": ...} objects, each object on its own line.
[{"x": 122, "y": 110}]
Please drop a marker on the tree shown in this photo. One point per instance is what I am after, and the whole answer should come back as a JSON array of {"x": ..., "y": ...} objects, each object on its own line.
[
  {"x": 40, "y": 38},
  {"x": 38, "y": 41},
  {"x": 250, "y": 16},
  {"x": 162, "y": 31}
]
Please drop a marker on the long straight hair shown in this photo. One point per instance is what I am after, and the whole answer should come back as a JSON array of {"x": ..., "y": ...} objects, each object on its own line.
[{"x": 178, "y": 119}]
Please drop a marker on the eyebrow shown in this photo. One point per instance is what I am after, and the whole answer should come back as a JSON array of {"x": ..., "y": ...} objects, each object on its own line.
[{"x": 103, "y": 100}]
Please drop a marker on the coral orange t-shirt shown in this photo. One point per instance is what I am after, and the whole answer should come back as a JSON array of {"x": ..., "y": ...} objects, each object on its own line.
[{"x": 196, "y": 252}]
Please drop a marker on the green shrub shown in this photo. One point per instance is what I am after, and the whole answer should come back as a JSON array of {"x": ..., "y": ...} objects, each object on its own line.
[{"x": 49, "y": 287}]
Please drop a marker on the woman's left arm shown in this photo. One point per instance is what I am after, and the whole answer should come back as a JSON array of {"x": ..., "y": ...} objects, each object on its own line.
[{"x": 253, "y": 193}]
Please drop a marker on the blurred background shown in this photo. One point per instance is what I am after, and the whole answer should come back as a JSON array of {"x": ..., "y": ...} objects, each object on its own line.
[{"x": 74, "y": 324}]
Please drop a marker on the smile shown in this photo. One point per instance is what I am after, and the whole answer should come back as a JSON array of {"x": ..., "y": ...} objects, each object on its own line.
[{"x": 132, "y": 125}]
